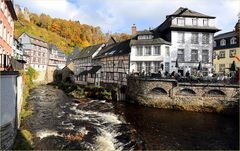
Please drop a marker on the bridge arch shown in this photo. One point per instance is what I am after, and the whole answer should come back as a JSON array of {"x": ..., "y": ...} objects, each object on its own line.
[
  {"x": 159, "y": 90},
  {"x": 215, "y": 92},
  {"x": 187, "y": 91}
]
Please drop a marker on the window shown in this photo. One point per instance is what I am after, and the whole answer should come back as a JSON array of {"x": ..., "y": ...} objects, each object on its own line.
[
  {"x": 8, "y": 38},
  {"x": 120, "y": 64},
  {"x": 232, "y": 53},
  {"x": 233, "y": 41},
  {"x": 205, "y": 56},
  {"x": 157, "y": 50},
  {"x": 111, "y": 74},
  {"x": 181, "y": 21},
  {"x": 223, "y": 42},
  {"x": 180, "y": 55},
  {"x": 2, "y": 5},
  {"x": 5, "y": 11},
  {"x": 139, "y": 51},
  {"x": 145, "y": 37},
  {"x": 148, "y": 51},
  {"x": 214, "y": 44},
  {"x": 205, "y": 22},
  {"x": 180, "y": 37},
  {"x": 194, "y": 55},
  {"x": 139, "y": 66},
  {"x": 221, "y": 67},
  {"x": 194, "y": 21},
  {"x": 167, "y": 51},
  {"x": 148, "y": 67},
  {"x": 1, "y": 28},
  {"x": 1, "y": 62},
  {"x": 167, "y": 66},
  {"x": 205, "y": 38},
  {"x": 157, "y": 66},
  {"x": 194, "y": 38},
  {"x": 120, "y": 78},
  {"x": 222, "y": 54},
  {"x": 4, "y": 33}
]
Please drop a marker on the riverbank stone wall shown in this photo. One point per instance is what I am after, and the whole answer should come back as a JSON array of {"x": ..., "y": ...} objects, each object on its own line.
[{"x": 169, "y": 94}]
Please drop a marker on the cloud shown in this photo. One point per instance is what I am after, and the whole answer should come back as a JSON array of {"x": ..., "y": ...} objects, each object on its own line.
[{"x": 119, "y": 15}]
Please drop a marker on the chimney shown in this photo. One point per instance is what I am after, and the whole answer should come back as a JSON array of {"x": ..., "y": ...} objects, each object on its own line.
[{"x": 134, "y": 29}]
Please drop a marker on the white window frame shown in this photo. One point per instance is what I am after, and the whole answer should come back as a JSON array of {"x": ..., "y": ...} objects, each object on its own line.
[
  {"x": 194, "y": 21},
  {"x": 1, "y": 28},
  {"x": 181, "y": 21},
  {"x": 205, "y": 38},
  {"x": 205, "y": 22},
  {"x": 194, "y": 38},
  {"x": 157, "y": 52},
  {"x": 167, "y": 48},
  {"x": 223, "y": 42},
  {"x": 146, "y": 50},
  {"x": 181, "y": 37},
  {"x": 233, "y": 40}
]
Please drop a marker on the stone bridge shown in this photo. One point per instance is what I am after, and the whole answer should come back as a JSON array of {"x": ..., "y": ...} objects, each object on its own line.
[{"x": 168, "y": 93}]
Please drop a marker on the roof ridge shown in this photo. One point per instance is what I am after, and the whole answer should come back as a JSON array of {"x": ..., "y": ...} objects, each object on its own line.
[{"x": 225, "y": 33}]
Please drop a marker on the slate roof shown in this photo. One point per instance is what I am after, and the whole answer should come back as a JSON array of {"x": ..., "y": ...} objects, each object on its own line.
[
  {"x": 149, "y": 41},
  {"x": 34, "y": 37},
  {"x": 71, "y": 56},
  {"x": 119, "y": 48},
  {"x": 185, "y": 12},
  {"x": 144, "y": 32},
  {"x": 88, "y": 51},
  {"x": 225, "y": 35},
  {"x": 94, "y": 69}
]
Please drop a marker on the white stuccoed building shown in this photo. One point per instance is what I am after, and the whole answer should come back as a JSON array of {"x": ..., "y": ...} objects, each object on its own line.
[
  {"x": 149, "y": 54},
  {"x": 191, "y": 36}
]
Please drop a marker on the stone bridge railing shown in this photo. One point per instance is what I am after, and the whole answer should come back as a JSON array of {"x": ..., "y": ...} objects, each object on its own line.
[{"x": 168, "y": 93}]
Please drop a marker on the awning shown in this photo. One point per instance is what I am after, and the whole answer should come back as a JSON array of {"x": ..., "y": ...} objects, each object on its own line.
[
  {"x": 85, "y": 72},
  {"x": 94, "y": 69}
]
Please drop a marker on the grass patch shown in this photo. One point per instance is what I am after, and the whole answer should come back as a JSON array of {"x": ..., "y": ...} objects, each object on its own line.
[{"x": 23, "y": 140}]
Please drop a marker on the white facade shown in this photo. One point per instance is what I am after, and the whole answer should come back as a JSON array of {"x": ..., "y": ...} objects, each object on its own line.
[
  {"x": 17, "y": 52},
  {"x": 152, "y": 59},
  {"x": 37, "y": 50},
  {"x": 196, "y": 44},
  {"x": 56, "y": 58},
  {"x": 193, "y": 21}
]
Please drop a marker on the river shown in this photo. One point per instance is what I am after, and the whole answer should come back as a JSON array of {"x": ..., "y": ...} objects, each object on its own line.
[{"x": 60, "y": 122}]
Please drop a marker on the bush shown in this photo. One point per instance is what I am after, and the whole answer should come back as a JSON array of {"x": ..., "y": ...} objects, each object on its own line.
[{"x": 78, "y": 93}]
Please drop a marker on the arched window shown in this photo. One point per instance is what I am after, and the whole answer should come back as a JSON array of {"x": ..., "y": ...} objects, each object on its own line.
[
  {"x": 233, "y": 41},
  {"x": 223, "y": 42}
]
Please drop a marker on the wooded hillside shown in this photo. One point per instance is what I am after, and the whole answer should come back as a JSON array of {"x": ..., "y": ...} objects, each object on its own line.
[{"x": 65, "y": 34}]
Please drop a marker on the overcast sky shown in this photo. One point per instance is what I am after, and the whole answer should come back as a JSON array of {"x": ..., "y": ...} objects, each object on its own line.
[{"x": 119, "y": 15}]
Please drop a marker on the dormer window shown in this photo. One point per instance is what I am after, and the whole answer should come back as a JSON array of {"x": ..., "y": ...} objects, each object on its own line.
[
  {"x": 181, "y": 21},
  {"x": 214, "y": 44},
  {"x": 233, "y": 40},
  {"x": 145, "y": 37},
  {"x": 194, "y": 21},
  {"x": 223, "y": 42},
  {"x": 205, "y": 22}
]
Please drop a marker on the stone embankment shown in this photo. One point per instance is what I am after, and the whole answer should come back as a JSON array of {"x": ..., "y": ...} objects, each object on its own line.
[{"x": 169, "y": 94}]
